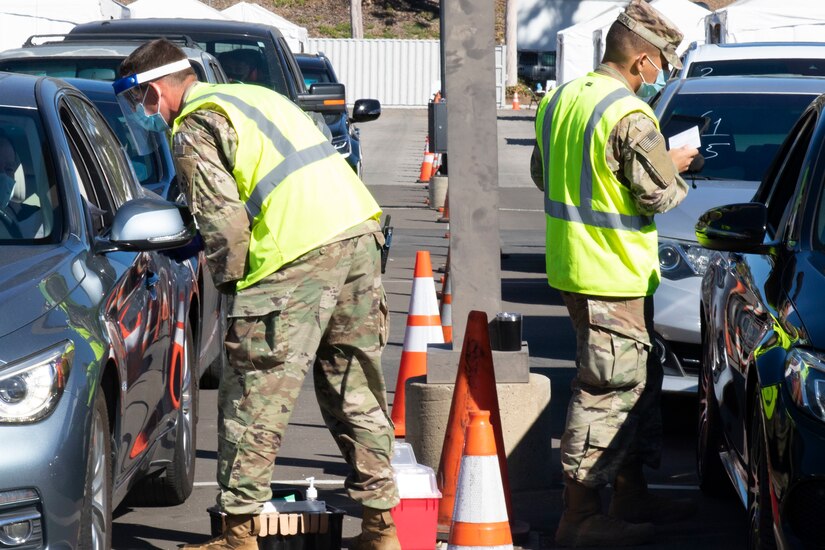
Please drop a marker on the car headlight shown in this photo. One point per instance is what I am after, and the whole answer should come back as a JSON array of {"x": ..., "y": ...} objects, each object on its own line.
[
  {"x": 31, "y": 387},
  {"x": 678, "y": 260},
  {"x": 805, "y": 380}
]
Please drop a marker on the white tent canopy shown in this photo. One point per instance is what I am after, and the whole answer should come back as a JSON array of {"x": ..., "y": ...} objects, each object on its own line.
[
  {"x": 767, "y": 20},
  {"x": 579, "y": 48},
  {"x": 689, "y": 17},
  {"x": 295, "y": 35},
  {"x": 540, "y": 20},
  {"x": 19, "y": 19},
  {"x": 183, "y": 9},
  {"x": 574, "y": 46}
]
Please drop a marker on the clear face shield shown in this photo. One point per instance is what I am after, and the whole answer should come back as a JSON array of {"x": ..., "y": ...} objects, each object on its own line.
[{"x": 131, "y": 93}]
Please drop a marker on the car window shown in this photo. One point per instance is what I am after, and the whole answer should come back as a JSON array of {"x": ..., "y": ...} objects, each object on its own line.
[
  {"x": 292, "y": 66},
  {"x": 313, "y": 74},
  {"x": 109, "y": 151},
  {"x": 29, "y": 198},
  {"x": 266, "y": 67},
  {"x": 780, "y": 188},
  {"x": 733, "y": 67},
  {"x": 147, "y": 168},
  {"x": 741, "y": 141}
]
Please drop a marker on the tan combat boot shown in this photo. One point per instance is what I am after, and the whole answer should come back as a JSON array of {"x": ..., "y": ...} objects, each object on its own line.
[
  {"x": 583, "y": 524},
  {"x": 632, "y": 502},
  {"x": 377, "y": 532},
  {"x": 239, "y": 533}
]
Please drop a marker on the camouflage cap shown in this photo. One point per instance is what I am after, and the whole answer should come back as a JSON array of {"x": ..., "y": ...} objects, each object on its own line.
[{"x": 646, "y": 21}]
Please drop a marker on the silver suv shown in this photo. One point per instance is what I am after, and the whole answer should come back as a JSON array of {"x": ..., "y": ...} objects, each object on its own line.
[{"x": 754, "y": 58}]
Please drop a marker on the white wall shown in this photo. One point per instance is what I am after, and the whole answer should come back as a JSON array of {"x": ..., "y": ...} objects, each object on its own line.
[{"x": 540, "y": 20}]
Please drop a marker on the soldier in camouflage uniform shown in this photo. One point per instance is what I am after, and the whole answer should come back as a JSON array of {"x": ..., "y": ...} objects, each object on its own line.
[
  {"x": 613, "y": 422},
  {"x": 326, "y": 310}
]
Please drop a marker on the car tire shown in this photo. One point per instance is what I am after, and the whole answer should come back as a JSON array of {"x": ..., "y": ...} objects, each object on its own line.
[
  {"x": 713, "y": 480},
  {"x": 96, "y": 515},
  {"x": 174, "y": 485},
  {"x": 760, "y": 511}
]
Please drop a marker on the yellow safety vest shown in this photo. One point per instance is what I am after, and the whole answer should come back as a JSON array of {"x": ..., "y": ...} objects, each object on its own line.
[
  {"x": 299, "y": 192},
  {"x": 597, "y": 242}
]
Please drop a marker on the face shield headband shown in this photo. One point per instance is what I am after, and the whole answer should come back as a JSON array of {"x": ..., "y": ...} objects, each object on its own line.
[{"x": 129, "y": 96}]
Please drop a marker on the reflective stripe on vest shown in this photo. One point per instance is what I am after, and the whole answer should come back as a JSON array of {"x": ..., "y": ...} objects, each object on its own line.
[
  {"x": 293, "y": 160},
  {"x": 584, "y": 213}
]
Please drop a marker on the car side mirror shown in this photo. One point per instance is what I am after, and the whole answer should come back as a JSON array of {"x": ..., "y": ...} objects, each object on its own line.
[
  {"x": 324, "y": 97},
  {"x": 734, "y": 227},
  {"x": 366, "y": 110},
  {"x": 150, "y": 223}
]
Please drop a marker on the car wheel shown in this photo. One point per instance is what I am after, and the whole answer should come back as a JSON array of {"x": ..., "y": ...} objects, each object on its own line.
[
  {"x": 174, "y": 485},
  {"x": 713, "y": 479},
  {"x": 760, "y": 512},
  {"x": 96, "y": 516}
]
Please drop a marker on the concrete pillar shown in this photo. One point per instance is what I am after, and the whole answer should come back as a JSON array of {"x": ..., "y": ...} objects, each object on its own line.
[
  {"x": 468, "y": 40},
  {"x": 525, "y": 422}
]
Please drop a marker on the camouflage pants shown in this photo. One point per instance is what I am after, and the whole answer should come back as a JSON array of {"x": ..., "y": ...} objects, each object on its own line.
[
  {"x": 613, "y": 417},
  {"x": 326, "y": 309}
]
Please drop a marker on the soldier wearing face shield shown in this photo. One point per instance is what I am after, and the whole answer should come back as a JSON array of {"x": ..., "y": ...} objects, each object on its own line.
[
  {"x": 605, "y": 171},
  {"x": 292, "y": 236}
]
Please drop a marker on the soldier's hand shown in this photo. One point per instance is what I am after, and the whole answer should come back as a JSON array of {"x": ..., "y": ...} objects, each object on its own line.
[{"x": 682, "y": 157}]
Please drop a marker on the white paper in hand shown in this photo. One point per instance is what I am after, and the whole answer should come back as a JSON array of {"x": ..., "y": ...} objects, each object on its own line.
[{"x": 689, "y": 137}]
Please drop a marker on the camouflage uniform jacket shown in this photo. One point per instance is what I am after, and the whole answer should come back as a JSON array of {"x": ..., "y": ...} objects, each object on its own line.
[
  {"x": 204, "y": 150},
  {"x": 650, "y": 175}
]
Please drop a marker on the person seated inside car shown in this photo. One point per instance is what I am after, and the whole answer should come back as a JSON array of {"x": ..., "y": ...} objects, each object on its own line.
[
  {"x": 20, "y": 216},
  {"x": 243, "y": 65}
]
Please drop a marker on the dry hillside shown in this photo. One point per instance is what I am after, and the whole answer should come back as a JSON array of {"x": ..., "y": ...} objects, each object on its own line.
[{"x": 382, "y": 18}]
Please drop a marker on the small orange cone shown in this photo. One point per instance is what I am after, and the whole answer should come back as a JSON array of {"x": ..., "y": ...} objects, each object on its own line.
[
  {"x": 445, "y": 218},
  {"x": 423, "y": 327},
  {"x": 480, "y": 514},
  {"x": 447, "y": 310},
  {"x": 516, "y": 106},
  {"x": 475, "y": 389},
  {"x": 426, "y": 168}
]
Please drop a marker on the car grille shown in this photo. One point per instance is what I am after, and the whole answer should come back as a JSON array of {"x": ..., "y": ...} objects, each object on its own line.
[{"x": 804, "y": 512}]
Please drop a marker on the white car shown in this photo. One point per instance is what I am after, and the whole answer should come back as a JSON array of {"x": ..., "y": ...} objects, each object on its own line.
[{"x": 753, "y": 58}]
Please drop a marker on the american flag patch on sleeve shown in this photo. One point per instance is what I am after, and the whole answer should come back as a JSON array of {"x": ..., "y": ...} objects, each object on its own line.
[{"x": 651, "y": 140}]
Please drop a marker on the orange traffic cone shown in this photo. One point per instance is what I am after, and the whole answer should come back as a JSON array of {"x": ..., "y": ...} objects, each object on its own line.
[
  {"x": 447, "y": 305},
  {"x": 423, "y": 327},
  {"x": 445, "y": 218},
  {"x": 475, "y": 389},
  {"x": 426, "y": 168},
  {"x": 516, "y": 106},
  {"x": 480, "y": 515}
]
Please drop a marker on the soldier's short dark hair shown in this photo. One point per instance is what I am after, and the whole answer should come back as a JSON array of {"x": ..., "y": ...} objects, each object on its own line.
[
  {"x": 156, "y": 54},
  {"x": 621, "y": 44}
]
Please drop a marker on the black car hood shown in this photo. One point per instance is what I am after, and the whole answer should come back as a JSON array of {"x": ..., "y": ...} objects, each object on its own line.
[{"x": 33, "y": 279}]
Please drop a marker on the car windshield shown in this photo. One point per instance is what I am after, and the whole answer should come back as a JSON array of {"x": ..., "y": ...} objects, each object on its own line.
[
  {"x": 745, "y": 129},
  {"x": 737, "y": 67},
  {"x": 29, "y": 199},
  {"x": 313, "y": 74},
  {"x": 103, "y": 68}
]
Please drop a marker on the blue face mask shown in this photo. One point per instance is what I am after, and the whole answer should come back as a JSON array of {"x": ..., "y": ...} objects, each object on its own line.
[
  {"x": 6, "y": 188},
  {"x": 153, "y": 122},
  {"x": 647, "y": 90}
]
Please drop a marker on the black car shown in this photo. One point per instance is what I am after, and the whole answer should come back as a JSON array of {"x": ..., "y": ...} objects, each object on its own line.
[
  {"x": 98, "y": 356},
  {"x": 261, "y": 45},
  {"x": 762, "y": 382},
  {"x": 346, "y": 137}
]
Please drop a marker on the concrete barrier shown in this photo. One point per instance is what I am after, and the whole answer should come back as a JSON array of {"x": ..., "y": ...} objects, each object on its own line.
[{"x": 525, "y": 419}]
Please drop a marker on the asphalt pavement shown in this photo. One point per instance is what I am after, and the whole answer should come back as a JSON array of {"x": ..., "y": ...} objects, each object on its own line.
[{"x": 393, "y": 150}]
